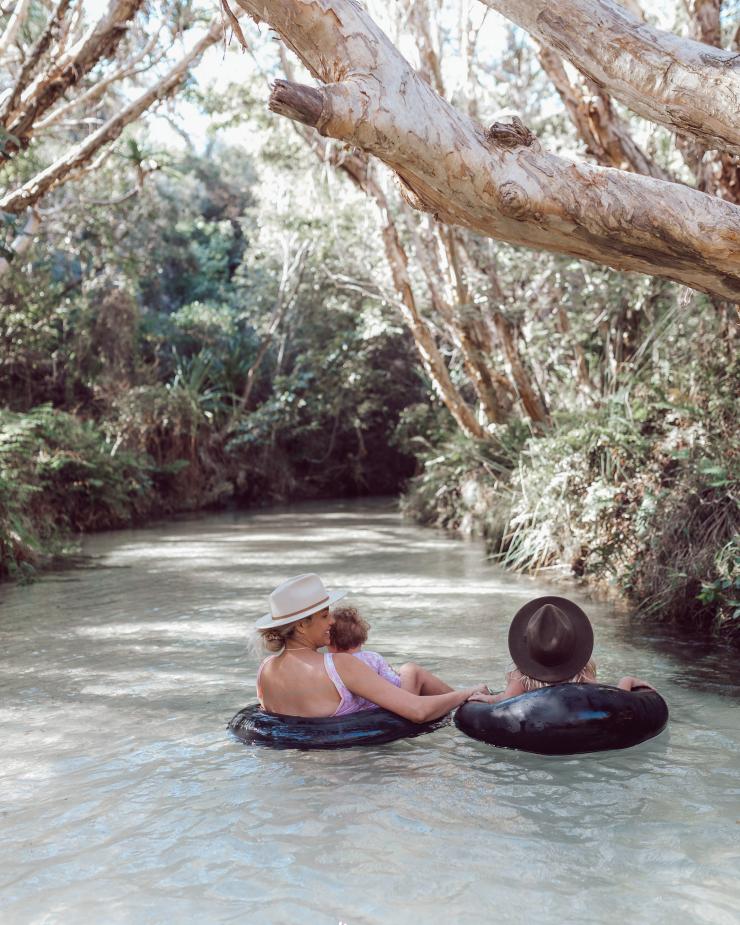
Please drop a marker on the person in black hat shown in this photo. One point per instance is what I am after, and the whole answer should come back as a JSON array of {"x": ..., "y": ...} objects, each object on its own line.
[{"x": 551, "y": 641}]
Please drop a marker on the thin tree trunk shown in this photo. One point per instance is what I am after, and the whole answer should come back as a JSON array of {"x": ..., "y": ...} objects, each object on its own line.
[
  {"x": 355, "y": 167},
  {"x": 33, "y": 59},
  {"x": 423, "y": 338},
  {"x": 290, "y": 280},
  {"x": 582, "y": 375},
  {"x": 464, "y": 316},
  {"x": 716, "y": 172},
  {"x": 17, "y": 18},
  {"x": 455, "y": 316},
  {"x": 529, "y": 394},
  {"x": 706, "y": 19},
  {"x": 684, "y": 85},
  {"x": 497, "y": 181}
]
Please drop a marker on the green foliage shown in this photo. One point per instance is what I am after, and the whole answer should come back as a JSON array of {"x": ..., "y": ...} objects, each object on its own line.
[
  {"x": 641, "y": 492},
  {"x": 59, "y": 474}
]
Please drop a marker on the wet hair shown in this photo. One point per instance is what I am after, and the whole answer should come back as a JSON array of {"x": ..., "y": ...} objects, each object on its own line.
[
  {"x": 349, "y": 629},
  {"x": 586, "y": 673}
]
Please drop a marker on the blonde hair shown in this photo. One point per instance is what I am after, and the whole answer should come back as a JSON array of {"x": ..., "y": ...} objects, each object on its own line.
[
  {"x": 587, "y": 673},
  {"x": 271, "y": 639}
]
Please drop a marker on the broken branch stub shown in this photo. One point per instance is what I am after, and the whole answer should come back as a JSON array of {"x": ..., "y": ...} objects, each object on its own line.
[{"x": 297, "y": 101}]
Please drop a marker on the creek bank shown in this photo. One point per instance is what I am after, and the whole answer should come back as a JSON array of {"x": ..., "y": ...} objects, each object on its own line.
[
  {"x": 62, "y": 475},
  {"x": 642, "y": 501}
]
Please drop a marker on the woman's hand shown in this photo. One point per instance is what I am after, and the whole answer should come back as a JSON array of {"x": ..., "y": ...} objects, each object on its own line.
[
  {"x": 630, "y": 684},
  {"x": 481, "y": 689},
  {"x": 480, "y": 697}
]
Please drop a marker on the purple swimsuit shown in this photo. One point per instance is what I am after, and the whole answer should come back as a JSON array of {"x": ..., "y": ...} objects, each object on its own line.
[{"x": 349, "y": 702}]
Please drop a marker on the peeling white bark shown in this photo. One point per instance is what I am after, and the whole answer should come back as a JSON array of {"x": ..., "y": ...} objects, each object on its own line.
[
  {"x": 499, "y": 181},
  {"x": 685, "y": 85},
  {"x": 17, "y": 18},
  {"x": 606, "y": 136},
  {"x": 23, "y": 240}
]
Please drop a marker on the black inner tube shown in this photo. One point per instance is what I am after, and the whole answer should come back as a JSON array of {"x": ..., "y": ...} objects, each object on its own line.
[
  {"x": 566, "y": 719},
  {"x": 254, "y": 726}
]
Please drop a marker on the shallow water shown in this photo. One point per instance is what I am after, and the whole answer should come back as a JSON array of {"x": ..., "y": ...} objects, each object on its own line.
[{"x": 124, "y": 800}]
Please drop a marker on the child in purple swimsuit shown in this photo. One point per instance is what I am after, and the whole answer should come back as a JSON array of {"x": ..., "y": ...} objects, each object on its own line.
[{"x": 349, "y": 634}]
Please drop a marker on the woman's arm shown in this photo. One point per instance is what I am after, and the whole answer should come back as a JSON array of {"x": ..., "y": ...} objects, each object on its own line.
[
  {"x": 513, "y": 689},
  {"x": 363, "y": 681}
]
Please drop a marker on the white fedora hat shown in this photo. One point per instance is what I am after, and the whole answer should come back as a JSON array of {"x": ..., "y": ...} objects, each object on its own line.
[{"x": 296, "y": 599}]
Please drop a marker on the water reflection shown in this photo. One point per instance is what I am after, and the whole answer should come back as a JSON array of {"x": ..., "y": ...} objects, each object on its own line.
[{"x": 124, "y": 800}]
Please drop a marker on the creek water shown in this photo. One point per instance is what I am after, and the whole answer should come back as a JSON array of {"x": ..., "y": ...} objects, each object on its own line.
[{"x": 123, "y": 798}]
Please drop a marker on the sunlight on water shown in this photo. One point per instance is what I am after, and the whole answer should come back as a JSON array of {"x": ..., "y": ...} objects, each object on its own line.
[{"x": 124, "y": 800}]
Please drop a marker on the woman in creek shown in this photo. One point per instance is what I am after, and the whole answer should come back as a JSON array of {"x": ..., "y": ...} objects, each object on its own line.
[
  {"x": 300, "y": 681},
  {"x": 550, "y": 642}
]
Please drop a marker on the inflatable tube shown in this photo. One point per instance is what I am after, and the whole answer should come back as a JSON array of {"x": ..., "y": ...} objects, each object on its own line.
[
  {"x": 368, "y": 727},
  {"x": 566, "y": 719}
]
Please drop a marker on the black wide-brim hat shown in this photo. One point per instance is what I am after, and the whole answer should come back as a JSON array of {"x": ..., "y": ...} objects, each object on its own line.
[{"x": 550, "y": 639}]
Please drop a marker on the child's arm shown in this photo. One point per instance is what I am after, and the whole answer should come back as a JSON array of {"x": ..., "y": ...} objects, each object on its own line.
[{"x": 630, "y": 684}]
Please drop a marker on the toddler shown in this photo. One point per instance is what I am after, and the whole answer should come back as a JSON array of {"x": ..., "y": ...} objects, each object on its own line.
[{"x": 349, "y": 634}]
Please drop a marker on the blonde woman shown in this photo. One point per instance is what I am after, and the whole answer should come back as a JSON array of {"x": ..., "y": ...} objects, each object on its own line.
[{"x": 298, "y": 680}]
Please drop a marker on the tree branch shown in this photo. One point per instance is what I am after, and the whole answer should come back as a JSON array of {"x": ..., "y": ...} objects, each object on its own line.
[
  {"x": 79, "y": 156},
  {"x": 498, "y": 182},
  {"x": 679, "y": 83},
  {"x": 17, "y": 18},
  {"x": 605, "y": 135},
  {"x": 100, "y": 41}
]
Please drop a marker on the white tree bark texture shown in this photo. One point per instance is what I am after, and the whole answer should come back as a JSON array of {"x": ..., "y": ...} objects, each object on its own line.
[
  {"x": 685, "y": 85},
  {"x": 496, "y": 181},
  {"x": 17, "y": 18}
]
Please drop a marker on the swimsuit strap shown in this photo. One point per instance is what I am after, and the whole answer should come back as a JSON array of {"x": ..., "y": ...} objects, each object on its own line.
[
  {"x": 331, "y": 670},
  {"x": 259, "y": 674}
]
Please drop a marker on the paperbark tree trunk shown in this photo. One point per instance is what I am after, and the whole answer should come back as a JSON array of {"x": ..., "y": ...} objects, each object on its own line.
[
  {"x": 32, "y": 61},
  {"x": 457, "y": 314},
  {"x": 62, "y": 169},
  {"x": 528, "y": 392},
  {"x": 432, "y": 359},
  {"x": 717, "y": 173},
  {"x": 496, "y": 181},
  {"x": 706, "y": 17},
  {"x": 685, "y": 85}
]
